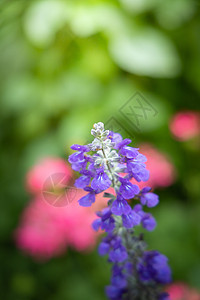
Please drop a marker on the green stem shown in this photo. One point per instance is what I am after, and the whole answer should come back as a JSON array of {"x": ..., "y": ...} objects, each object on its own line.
[{"x": 109, "y": 168}]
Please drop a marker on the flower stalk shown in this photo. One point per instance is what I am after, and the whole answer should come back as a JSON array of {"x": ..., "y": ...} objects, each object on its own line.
[{"x": 137, "y": 273}]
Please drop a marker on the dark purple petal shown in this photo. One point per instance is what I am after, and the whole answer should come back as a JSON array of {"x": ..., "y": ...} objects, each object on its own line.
[
  {"x": 149, "y": 199},
  {"x": 133, "y": 167},
  {"x": 120, "y": 207},
  {"x": 128, "y": 190},
  {"x": 80, "y": 165},
  {"x": 146, "y": 189},
  {"x": 123, "y": 143},
  {"x": 143, "y": 271},
  {"x": 116, "y": 242},
  {"x": 131, "y": 220},
  {"x": 163, "y": 274},
  {"x": 118, "y": 255},
  {"x": 140, "y": 158},
  {"x": 103, "y": 248},
  {"x": 113, "y": 292},
  {"x": 96, "y": 224},
  {"x": 87, "y": 200},
  {"x": 82, "y": 181},
  {"x": 154, "y": 266},
  {"x": 105, "y": 213},
  {"x": 148, "y": 222},
  {"x": 82, "y": 148},
  {"x": 87, "y": 173},
  {"x": 142, "y": 175},
  {"x": 118, "y": 278},
  {"x": 101, "y": 182},
  {"x": 108, "y": 224},
  {"x": 107, "y": 221},
  {"x": 76, "y": 157},
  {"x": 138, "y": 170},
  {"x": 89, "y": 189},
  {"x": 128, "y": 267},
  {"x": 137, "y": 208},
  {"x": 129, "y": 152},
  {"x": 115, "y": 138}
]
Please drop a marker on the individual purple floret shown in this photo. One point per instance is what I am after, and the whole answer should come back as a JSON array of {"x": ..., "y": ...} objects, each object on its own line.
[
  {"x": 153, "y": 266},
  {"x": 147, "y": 198},
  {"x": 105, "y": 222},
  {"x": 120, "y": 206},
  {"x": 101, "y": 180},
  {"x": 87, "y": 200},
  {"x": 130, "y": 220},
  {"x": 84, "y": 179},
  {"x": 113, "y": 246},
  {"x": 110, "y": 161},
  {"x": 127, "y": 189},
  {"x": 78, "y": 160}
]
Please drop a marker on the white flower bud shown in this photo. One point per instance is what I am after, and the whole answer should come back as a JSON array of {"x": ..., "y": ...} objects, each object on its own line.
[{"x": 95, "y": 145}]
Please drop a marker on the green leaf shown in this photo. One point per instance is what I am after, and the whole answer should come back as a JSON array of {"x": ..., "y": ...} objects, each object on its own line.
[{"x": 145, "y": 52}]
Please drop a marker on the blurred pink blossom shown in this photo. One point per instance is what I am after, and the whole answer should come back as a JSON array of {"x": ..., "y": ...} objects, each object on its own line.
[
  {"x": 37, "y": 176},
  {"x": 45, "y": 230},
  {"x": 185, "y": 125},
  {"x": 162, "y": 171},
  {"x": 180, "y": 291}
]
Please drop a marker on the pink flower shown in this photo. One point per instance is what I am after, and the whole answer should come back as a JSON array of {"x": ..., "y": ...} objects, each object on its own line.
[
  {"x": 45, "y": 229},
  {"x": 180, "y": 291},
  {"x": 185, "y": 125},
  {"x": 162, "y": 171},
  {"x": 43, "y": 170},
  {"x": 41, "y": 230}
]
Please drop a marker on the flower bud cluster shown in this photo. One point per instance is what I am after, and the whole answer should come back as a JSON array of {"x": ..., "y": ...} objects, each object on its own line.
[{"x": 136, "y": 273}]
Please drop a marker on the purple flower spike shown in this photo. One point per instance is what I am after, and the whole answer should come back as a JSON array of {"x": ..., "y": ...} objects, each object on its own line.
[
  {"x": 127, "y": 189},
  {"x": 136, "y": 273}
]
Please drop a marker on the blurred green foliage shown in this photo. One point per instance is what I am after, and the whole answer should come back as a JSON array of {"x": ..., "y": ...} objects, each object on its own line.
[{"x": 67, "y": 64}]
